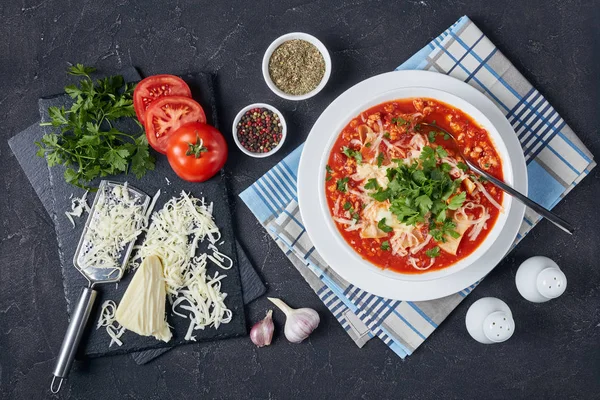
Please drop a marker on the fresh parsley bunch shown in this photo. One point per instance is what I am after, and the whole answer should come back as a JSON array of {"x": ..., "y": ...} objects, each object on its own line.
[
  {"x": 86, "y": 140},
  {"x": 423, "y": 191}
]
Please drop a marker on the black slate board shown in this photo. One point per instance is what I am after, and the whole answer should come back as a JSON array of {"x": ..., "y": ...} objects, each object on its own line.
[
  {"x": 36, "y": 170},
  {"x": 96, "y": 343}
]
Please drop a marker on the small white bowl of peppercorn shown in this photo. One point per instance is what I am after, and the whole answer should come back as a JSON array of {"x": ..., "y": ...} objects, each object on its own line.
[
  {"x": 296, "y": 66},
  {"x": 259, "y": 130}
]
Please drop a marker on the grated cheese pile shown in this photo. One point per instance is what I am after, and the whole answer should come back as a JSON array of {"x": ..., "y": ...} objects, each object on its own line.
[
  {"x": 118, "y": 219},
  {"x": 174, "y": 235},
  {"x": 108, "y": 319}
]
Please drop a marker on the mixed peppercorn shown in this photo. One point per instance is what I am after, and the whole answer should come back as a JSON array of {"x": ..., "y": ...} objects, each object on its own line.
[{"x": 259, "y": 130}]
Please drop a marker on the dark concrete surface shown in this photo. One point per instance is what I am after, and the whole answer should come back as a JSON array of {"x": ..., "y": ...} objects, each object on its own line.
[{"x": 555, "y": 352}]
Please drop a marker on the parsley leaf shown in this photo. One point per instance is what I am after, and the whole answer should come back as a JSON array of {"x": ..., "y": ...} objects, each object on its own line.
[
  {"x": 386, "y": 135},
  {"x": 441, "y": 152},
  {"x": 427, "y": 157},
  {"x": 461, "y": 165},
  {"x": 328, "y": 173},
  {"x": 433, "y": 252},
  {"x": 372, "y": 184},
  {"x": 385, "y": 246},
  {"x": 368, "y": 144},
  {"x": 382, "y": 225},
  {"x": 380, "y": 158},
  {"x": 381, "y": 195},
  {"x": 457, "y": 201},
  {"x": 424, "y": 203},
  {"x": 347, "y": 205},
  {"x": 357, "y": 155},
  {"x": 400, "y": 121},
  {"x": 342, "y": 184},
  {"x": 81, "y": 70}
]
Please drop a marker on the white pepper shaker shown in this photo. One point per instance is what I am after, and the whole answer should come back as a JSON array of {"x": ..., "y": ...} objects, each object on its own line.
[
  {"x": 539, "y": 279},
  {"x": 489, "y": 320}
]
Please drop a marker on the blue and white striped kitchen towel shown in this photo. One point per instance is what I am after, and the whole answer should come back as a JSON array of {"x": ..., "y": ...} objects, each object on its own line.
[{"x": 556, "y": 162}]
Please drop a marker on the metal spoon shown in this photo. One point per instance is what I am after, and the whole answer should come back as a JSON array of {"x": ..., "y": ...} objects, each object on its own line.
[{"x": 556, "y": 220}]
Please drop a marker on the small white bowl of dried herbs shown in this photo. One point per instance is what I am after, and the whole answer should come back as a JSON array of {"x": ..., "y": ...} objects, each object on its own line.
[{"x": 296, "y": 66}]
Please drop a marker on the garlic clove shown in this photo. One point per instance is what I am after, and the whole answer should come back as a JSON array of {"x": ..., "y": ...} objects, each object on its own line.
[
  {"x": 300, "y": 323},
  {"x": 261, "y": 333}
]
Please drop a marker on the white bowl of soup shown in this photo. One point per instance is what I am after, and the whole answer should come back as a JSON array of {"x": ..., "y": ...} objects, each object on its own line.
[{"x": 398, "y": 192}]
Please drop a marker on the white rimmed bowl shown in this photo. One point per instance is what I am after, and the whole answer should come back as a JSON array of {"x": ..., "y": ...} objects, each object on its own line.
[
  {"x": 278, "y": 42},
  {"x": 480, "y": 119},
  {"x": 237, "y": 119},
  {"x": 317, "y": 221}
]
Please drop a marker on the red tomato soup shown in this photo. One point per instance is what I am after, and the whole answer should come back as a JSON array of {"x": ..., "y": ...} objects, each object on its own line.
[{"x": 399, "y": 191}]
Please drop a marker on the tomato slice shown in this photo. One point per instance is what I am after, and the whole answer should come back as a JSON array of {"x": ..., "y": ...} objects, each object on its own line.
[
  {"x": 166, "y": 115},
  {"x": 154, "y": 87}
]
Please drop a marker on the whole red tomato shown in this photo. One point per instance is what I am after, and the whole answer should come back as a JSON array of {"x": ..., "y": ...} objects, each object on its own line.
[{"x": 196, "y": 151}]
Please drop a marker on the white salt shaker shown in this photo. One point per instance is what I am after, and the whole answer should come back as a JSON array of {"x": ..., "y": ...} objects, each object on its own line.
[
  {"x": 539, "y": 279},
  {"x": 489, "y": 320}
]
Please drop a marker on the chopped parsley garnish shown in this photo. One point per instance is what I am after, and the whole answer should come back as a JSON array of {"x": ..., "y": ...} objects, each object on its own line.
[
  {"x": 432, "y": 135},
  {"x": 348, "y": 207},
  {"x": 441, "y": 230},
  {"x": 356, "y": 154},
  {"x": 368, "y": 144},
  {"x": 386, "y": 135},
  {"x": 400, "y": 121},
  {"x": 385, "y": 246},
  {"x": 423, "y": 191},
  {"x": 433, "y": 252},
  {"x": 441, "y": 152},
  {"x": 457, "y": 201},
  {"x": 380, "y": 159},
  {"x": 372, "y": 184},
  {"x": 486, "y": 165},
  {"x": 329, "y": 172},
  {"x": 382, "y": 225},
  {"x": 342, "y": 184},
  {"x": 462, "y": 166},
  {"x": 478, "y": 178},
  {"x": 381, "y": 195}
]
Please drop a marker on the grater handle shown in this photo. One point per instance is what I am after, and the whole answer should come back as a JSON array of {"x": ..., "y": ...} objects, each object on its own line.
[{"x": 73, "y": 337}]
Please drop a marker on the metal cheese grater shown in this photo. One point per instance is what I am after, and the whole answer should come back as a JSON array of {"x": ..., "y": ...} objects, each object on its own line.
[{"x": 95, "y": 275}]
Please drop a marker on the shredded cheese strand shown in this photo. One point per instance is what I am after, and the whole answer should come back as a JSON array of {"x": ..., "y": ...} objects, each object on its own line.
[
  {"x": 108, "y": 319},
  {"x": 78, "y": 206}
]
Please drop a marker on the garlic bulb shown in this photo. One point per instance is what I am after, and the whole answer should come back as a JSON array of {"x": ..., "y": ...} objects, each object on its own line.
[
  {"x": 300, "y": 323},
  {"x": 262, "y": 332}
]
